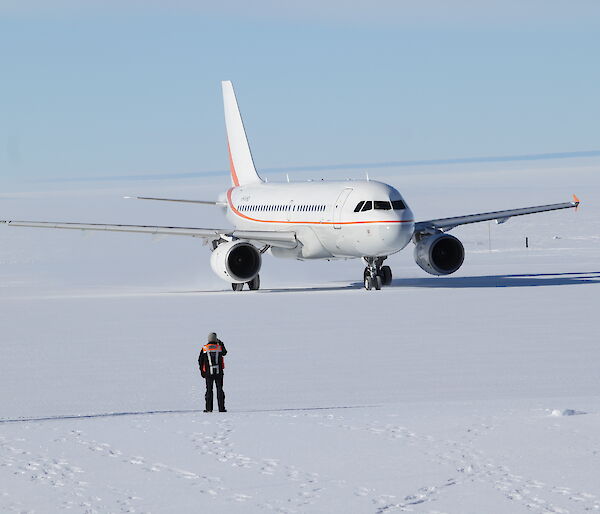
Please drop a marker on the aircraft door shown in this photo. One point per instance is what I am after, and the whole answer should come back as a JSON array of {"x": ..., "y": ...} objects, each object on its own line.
[{"x": 338, "y": 206}]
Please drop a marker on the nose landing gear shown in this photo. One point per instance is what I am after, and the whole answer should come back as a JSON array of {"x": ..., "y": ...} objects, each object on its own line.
[
  {"x": 372, "y": 282},
  {"x": 375, "y": 275}
]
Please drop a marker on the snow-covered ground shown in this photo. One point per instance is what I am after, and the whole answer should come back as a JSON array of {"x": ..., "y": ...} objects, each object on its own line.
[{"x": 474, "y": 393}]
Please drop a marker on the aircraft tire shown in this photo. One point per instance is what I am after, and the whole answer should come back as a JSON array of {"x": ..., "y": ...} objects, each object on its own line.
[
  {"x": 386, "y": 275},
  {"x": 377, "y": 283},
  {"x": 254, "y": 284}
]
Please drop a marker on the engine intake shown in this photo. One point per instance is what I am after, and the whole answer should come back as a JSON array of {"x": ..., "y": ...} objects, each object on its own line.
[
  {"x": 439, "y": 254},
  {"x": 236, "y": 261}
]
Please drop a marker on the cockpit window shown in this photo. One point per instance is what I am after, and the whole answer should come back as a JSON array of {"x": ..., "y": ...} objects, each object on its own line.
[
  {"x": 382, "y": 206},
  {"x": 367, "y": 206},
  {"x": 398, "y": 205},
  {"x": 359, "y": 206}
]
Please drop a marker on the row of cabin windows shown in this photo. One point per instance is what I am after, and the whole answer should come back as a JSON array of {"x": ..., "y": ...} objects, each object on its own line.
[
  {"x": 281, "y": 208},
  {"x": 397, "y": 205}
]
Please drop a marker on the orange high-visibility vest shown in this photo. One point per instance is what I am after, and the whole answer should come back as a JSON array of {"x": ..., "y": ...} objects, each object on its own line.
[{"x": 213, "y": 352}]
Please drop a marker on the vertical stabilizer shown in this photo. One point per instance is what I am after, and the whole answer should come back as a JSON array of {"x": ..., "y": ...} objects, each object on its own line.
[{"x": 240, "y": 158}]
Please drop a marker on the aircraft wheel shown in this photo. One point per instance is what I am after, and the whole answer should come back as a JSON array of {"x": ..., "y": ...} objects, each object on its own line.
[
  {"x": 368, "y": 283},
  {"x": 254, "y": 284},
  {"x": 237, "y": 287},
  {"x": 386, "y": 275},
  {"x": 377, "y": 282}
]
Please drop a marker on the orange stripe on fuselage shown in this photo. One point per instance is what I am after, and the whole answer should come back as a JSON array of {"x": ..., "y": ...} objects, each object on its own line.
[
  {"x": 234, "y": 176},
  {"x": 306, "y": 222}
]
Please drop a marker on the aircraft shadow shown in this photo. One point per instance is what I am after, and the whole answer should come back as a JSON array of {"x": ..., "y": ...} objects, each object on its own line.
[
  {"x": 523, "y": 280},
  {"x": 308, "y": 289},
  {"x": 338, "y": 287},
  {"x": 450, "y": 282}
]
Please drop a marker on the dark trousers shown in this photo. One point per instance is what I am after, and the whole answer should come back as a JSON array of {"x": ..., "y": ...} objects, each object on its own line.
[{"x": 216, "y": 379}]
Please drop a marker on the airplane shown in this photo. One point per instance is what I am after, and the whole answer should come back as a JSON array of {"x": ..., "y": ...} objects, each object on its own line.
[{"x": 361, "y": 219}]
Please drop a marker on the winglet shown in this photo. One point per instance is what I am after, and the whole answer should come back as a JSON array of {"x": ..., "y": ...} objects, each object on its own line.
[{"x": 576, "y": 201}]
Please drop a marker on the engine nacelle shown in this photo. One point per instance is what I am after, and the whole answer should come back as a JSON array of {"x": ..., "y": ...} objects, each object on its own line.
[
  {"x": 236, "y": 261},
  {"x": 439, "y": 254}
]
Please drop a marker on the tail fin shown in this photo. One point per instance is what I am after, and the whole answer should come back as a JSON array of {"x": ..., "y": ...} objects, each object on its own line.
[{"x": 240, "y": 158}]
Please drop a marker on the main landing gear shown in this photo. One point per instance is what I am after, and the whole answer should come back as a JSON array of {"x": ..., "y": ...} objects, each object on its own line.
[
  {"x": 253, "y": 285},
  {"x": 376, "y": 276}
]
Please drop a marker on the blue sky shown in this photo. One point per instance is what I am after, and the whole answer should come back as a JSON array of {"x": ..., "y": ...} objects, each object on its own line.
[{"x": 128, "y": 88}]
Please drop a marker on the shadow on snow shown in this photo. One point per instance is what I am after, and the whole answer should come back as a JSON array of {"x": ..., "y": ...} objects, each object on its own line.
[
  {"x": 67, "y": 417},
  {"x": 450, "y": 282},
  {"x": 524, "y": 280}
]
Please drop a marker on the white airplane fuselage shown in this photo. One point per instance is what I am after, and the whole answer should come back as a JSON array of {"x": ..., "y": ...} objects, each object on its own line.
[
  {"x": 322, "y": 214},
  {"x": 311, "y": 220}
]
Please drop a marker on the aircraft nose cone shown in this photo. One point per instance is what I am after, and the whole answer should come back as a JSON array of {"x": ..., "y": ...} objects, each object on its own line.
[{"x": 391, "y": 236}]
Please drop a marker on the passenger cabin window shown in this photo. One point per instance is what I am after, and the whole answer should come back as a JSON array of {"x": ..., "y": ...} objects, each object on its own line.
[
  {"x": 359, "y": 206},
  {"x": 382, "y": 206},
  {"x": 367, "y": 206}
]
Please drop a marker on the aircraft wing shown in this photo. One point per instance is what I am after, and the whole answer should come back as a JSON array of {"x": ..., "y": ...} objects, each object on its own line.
[
  {"x": 446, "y": 224},
  {"x": 203, "y": 202},
  {"x": 272, "y": 238}
]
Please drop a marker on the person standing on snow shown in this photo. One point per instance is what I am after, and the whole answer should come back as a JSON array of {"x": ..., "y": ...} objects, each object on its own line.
[{"x": 211, "y": 365}]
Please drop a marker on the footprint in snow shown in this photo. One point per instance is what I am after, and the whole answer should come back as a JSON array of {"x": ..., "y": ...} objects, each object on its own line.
[{"x": 384, "y": 500}]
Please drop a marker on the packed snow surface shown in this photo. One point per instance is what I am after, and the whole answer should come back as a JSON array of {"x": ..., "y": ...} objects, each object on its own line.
[{"x": 435, "y": 395}]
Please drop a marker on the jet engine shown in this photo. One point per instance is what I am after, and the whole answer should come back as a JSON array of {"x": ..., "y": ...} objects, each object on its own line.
[
  {"x": 439, "y": 254},
  {"x": 236, "y": 261}
]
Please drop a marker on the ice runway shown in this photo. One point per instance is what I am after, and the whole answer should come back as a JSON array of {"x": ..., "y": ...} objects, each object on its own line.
[
  {"x": 434, "y": 395},
  {"x": 453, "y": 414}
]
